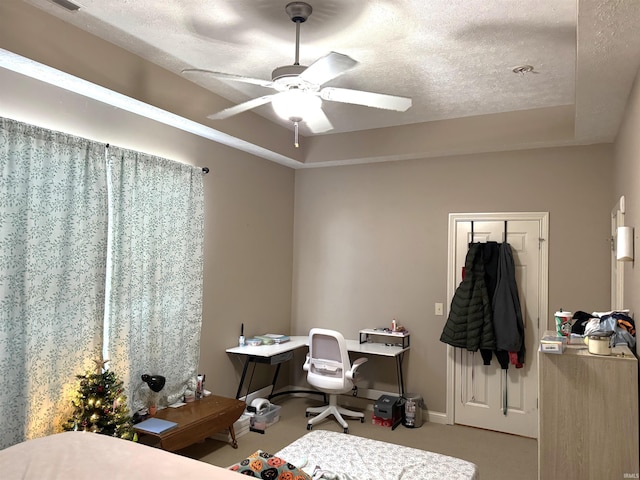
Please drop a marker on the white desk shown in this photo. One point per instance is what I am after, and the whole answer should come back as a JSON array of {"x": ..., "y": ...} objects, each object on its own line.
[{"x": 277, "y": 354}]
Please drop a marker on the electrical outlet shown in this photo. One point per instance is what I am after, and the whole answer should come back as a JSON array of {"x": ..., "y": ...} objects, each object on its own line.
[{"x": 439, "y": 309}]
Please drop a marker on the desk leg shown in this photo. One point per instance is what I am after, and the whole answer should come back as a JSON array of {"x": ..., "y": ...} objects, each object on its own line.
[
  {"x": 275, "y": 378},
  {"x": 399, "y": 359},
  {"x": 244, "y": 373}
]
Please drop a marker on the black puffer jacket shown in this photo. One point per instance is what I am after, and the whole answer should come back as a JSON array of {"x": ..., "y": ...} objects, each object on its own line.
[{"x": 470, "y": 322}]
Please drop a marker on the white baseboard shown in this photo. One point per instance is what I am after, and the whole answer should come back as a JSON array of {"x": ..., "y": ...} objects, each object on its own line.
[
  {"x": 437, "y": 417},
  {"x": 350, "y": 400},
  {"x": 262, "y": 393}
]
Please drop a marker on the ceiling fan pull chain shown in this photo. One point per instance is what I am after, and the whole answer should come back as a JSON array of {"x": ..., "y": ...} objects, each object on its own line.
[{"x": 295, "y": 135}]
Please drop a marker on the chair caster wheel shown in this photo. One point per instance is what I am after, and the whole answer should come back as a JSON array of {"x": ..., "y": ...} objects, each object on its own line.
[
  {"x": 362, "y": 420},
  {"x": 306, "y": 414},
  {"x": 309, "y": 426},
  {"x": 346, "y": 430}
]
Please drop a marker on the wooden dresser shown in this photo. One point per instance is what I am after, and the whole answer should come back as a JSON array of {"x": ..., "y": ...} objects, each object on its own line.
[{"x": 588, "y": 415}]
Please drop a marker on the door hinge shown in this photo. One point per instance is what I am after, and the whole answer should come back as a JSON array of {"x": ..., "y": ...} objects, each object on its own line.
[{"x": 540, "y": 240}]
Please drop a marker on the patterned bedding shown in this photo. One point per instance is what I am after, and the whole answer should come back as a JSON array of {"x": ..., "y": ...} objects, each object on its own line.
[{"x": 351, "y": 457}]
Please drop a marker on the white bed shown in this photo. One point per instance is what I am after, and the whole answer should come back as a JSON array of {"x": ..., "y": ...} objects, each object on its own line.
[
  {"x": 83, "y": 455},
  {"x": 366, "y": 459},
  {"x": 80, "y": 455}
]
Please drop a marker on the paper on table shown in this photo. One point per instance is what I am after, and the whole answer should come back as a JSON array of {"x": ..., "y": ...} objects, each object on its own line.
[{"x": 155, "y": 425}]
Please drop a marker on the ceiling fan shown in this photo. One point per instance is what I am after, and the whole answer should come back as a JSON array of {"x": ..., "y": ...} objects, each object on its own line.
[{"x": 299, "y": 88}]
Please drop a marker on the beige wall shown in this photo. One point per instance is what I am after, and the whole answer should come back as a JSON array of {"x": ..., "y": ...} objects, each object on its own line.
[
  {"x": 627, "y": 183},
  {"x": 248, "y": 263},
  {"x": 371, "y": 243},
  {"x": 370, "y": 240},
  {"x": 248, "y": 223}
]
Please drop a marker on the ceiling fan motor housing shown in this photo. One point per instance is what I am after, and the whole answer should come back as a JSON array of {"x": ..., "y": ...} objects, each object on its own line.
[{"x": 287, "y": 71}]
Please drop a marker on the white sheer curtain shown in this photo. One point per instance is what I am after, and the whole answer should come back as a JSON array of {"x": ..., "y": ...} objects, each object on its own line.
[
  {"x": 154, "y": 304},
  {"x": 53, "y": 243}
]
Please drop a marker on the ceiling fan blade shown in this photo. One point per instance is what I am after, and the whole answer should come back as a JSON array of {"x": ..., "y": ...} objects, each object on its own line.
[
  {"x": 242, "y": 107},
  {"x": 328, "y": 67},
  {"x": 318, "y": 122},
  {"x": 368, "y": 99},
  {"x": 228, "y": 76}
]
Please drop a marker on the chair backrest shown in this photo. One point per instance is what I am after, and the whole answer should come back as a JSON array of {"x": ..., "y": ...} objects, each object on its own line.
[{"x": 328, "y": 361}]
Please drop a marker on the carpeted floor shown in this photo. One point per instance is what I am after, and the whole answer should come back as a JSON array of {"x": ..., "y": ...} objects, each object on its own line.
[{"x": 498, "y": 456}]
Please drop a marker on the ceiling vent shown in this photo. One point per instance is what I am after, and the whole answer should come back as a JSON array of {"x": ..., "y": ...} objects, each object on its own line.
[{"x": 522, "y": 69}]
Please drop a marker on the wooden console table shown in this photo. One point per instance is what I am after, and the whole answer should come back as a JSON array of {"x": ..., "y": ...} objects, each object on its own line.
[{"x": 198, "y": 420}]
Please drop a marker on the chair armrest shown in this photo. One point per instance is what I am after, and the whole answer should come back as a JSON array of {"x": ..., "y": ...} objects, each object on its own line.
[
  {"x": 351, "y": 374},
  {"x": 307, "y": 364},
  {"x": 358, "y": 362}
]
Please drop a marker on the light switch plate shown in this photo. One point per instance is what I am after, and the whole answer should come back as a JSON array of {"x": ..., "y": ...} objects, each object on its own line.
[{"x": 439, "y": 309}]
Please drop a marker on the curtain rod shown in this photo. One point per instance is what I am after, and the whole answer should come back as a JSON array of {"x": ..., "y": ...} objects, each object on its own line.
[{"x": 205, "y": 170}]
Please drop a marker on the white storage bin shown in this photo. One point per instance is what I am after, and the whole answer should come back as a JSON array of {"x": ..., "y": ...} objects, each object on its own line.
[
  {"x": 240, "y": 427},
  {"x": 265, "y": 420}
]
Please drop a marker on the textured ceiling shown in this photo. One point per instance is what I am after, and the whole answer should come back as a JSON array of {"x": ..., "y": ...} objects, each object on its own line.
[{"x": 454, "y": 58}]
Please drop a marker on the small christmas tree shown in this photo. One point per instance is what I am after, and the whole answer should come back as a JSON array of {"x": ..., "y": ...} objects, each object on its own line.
[{"x": 100, "y": 405}]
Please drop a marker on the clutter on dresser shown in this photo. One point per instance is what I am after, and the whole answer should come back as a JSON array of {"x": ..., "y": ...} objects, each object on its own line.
[
  {"x": 600, "y": 343},
  {"x": 553, "y": 344},
  {"x": 563, "y": 323},
  {"x": 617, "y": 321},
  {"x": 597, "y": 332}
]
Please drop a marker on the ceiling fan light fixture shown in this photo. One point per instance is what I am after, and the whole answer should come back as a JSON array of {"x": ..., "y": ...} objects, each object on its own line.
[{"x": 295, "y": 104}]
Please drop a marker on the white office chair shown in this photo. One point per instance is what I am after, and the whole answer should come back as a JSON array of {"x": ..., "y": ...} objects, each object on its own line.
[{"x": 330, "y": 371}]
